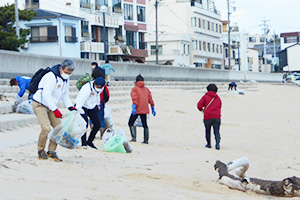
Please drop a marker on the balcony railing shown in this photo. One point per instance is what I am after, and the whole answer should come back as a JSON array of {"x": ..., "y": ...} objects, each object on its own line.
[
  {"x": 71, "y": 39},
  {"x": 44, "y": 39},
  {"x": 143, "y": 45}
]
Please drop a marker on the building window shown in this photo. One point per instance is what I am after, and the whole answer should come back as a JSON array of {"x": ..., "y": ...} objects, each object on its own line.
[
  {"x": 226, "y": 53},
  {"x": 188, "y": 49},
  {"x": 128, "y": 9},
  {"x": 203, "y": 23},
  {"x": 99, "y": 3},
  {"x": 221, "y": 49},
  {"x": 208, "y": 47},
  {"x": 116, "y": 7},
  {"x": 140, "y": 10},
  {"x": 204, "y": 46},
  {"x": 194, "y": 44},
  {"x": 217, "y": 48},
  {"x": 131, "y": 39},
  {"x": 153, "y": 50},
  {"x": 200, "y": 46},
  {"x": 212, "y": 26},
  {"x": 213, "y": 48},
  {"x": 199, "y": 22},
  {"x": 262, "y": 39},
  {"x": 44, "y": 34},
  {"x": 142, "y": 43},
  {"x": 193, "y": 21},
  {"x": 183, "y": 49},
  {"x": 85, "y": 3},
  {"x": 217, "y": 28},
  {"x": 220, "y": 30},
  {"x": 70, "y": 33},
  {"x": 291, "y": 39},
  {"x": 252, "y": 39},
  {"x": 208, "y": 25},
  {"x": 85, "y": 29},
  {"x": 30, "y": 4}
]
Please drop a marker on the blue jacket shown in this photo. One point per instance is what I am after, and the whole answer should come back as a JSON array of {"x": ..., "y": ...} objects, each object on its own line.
[
  {"x": 107, "y": 67},
  {"x": 23, "y": 83}
]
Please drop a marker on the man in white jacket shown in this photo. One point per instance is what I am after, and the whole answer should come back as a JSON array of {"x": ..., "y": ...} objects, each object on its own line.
[
  {"x": 53, "y": 87},
  {"x": 88, "y": 104}
]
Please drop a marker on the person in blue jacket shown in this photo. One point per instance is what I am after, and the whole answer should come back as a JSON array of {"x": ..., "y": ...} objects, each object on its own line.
[
  {"x": 23, "y": 83},
  {"x": 107, "y": 67}
]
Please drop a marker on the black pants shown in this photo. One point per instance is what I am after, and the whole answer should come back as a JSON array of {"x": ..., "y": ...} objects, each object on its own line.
[
  {"x": 215, "y": 123},
  {"x": 93, "y": 115},
  {"x": 134, "y": 117},
  {"x": 231, "y": 87}
]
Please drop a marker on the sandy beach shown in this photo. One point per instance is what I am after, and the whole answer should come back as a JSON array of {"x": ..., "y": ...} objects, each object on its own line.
[{"x": 262, "y": 125}]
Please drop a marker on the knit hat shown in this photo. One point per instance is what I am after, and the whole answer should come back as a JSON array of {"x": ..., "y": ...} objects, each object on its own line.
[
  {"x": 139, "y": 78},
  {"x": 100, "y": 81}
]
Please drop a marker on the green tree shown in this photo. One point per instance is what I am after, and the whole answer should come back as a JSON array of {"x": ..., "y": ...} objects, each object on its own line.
[{"x": 8, "y": 37}]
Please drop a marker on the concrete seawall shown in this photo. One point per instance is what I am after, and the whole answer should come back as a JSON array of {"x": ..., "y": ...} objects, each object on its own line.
[{"x": 16, "y": 63}]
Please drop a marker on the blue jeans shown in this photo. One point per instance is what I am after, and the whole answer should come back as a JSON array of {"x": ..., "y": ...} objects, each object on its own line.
[{"x": 215, "y": 123}]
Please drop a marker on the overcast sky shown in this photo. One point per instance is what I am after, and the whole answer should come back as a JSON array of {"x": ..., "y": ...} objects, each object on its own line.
[{"x": 282, "y": 15}]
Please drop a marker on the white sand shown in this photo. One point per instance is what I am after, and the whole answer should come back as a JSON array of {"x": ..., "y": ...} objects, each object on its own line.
[{"x": 263, "y": 125}]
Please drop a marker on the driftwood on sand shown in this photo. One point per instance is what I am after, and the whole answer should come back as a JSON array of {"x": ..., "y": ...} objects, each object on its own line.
[{"x": 288, "y": 187}]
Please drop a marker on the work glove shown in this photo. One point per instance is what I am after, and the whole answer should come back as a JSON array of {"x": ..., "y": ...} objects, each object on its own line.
[
  {"x": 57, "y": 113},
  {"x": 133, "y": 109},
  {"x": 72, "y": 108},
  {"x": 153, "y": 111}
]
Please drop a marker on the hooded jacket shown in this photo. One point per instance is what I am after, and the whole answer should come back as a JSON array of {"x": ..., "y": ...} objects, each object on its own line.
[
  {"x": 211, "y": 110},
  {"x": 53, "y": 89},
  {"x": 23, "y": 83},
  {"x": 141, "y": 97}
]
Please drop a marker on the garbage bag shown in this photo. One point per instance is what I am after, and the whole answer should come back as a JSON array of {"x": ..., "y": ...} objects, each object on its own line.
[
  {"x": 115, "y": 144},
  {"x": 68, "y": 133},
  {"x": 18, "y": 100},
  {"x": 110, "y": 133},
  {"x": 25, "y": 107},
  {"x": 138, "y": 121},
  {"x": 108, "y": 117}
]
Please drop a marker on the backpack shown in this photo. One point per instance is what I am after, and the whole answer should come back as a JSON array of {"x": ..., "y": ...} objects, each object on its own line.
[
  {"x": 83, "y": 80},
  {"x": 36, "y": 78}
]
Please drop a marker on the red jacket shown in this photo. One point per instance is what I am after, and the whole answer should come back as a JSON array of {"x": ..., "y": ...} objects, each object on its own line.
[
  {"x": 141, "y": 97},
  {"x": 211, "y": 110},
  {"x": 104, "y": 96}
]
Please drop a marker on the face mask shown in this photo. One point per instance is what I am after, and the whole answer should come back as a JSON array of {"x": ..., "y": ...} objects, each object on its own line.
[
  {"x": 65, "y": 76},
  {"x": 99, "y": 90},
  {"x": 93, "y": 66}
]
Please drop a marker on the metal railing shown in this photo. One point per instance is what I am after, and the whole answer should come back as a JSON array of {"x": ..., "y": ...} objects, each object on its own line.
[{"x": 71, "y": 39}]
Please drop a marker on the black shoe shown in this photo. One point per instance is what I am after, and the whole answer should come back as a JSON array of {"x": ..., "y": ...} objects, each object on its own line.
[
  {"x": 132, "y": 140},
  {"x": 52, "y": 154},
  {"x": 144, "y": 142},
  {"x": 42, "y": 155},
  {"x": 91, "y": 145},
  {"x": 208, "y": 146}
]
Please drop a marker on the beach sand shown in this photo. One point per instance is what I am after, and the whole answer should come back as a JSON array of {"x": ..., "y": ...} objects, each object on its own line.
[{"x": 261, "y": 125}]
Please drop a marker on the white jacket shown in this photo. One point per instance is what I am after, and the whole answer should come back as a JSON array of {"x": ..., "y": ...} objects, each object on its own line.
[
  {"x": 88, "y": 97},
  {"x": 53, "y": 89}
]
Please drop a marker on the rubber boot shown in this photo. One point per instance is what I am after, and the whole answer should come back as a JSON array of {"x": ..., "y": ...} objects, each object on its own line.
[
  {"x": 218, "y": 139},
  {"x": 102, "y": 130},
  {"x": 146, "y": 135},
  {"x": 133, "y": 133}
]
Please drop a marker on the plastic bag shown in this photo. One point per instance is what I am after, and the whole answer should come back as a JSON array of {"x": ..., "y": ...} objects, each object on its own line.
[
  {"x": 138, "y": 121},
  {"x": 25, "y": 107},
  {"x": 108, "y": 117},
  {"x": 68, "y": 133},
  {"x": 18, "y": 100},
  {"x": 110, "y": 133},
  {"x": 115, "y": 144}
]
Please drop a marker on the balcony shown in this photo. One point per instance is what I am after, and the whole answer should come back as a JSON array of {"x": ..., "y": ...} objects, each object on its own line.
[
  {"x": 36, "y": 39},
  {"x": 142, "y": 45},
  {"x": 71, "y": 39},
  {"x": 93, "y": 47}
]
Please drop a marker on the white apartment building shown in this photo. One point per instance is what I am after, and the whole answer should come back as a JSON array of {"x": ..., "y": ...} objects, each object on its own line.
[
  {"x": 189, "y": 33},
  {"x": 103, "y": 32}
]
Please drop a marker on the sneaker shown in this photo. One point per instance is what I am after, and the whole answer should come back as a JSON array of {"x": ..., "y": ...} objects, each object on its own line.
[
  {"x": 52, "y": 154},
  {"x": 42, "y": 155},
  {"x": 144, "y": 142},
  {"x": 132, "y": 140},
  {"x": 208, "y": 146},
  {"x": 91, "y": 145}
]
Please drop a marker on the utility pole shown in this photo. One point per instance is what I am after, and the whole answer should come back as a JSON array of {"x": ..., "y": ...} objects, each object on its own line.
[
  {"x": 17, "y": 19},
  {"x": 266, "y": 31},
  {"x": 229, "y": 49},
  {"x": 156, "y": 32}
]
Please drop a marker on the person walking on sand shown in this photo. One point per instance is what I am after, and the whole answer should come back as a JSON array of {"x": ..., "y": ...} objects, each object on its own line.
[
  {"x": 53, "y": 87},
  {"x": 88, "y": 104},
  {"x": 107, "y": 67},
  {"x": 211, "y": 105},
  {"x": 141, "y": 97}
]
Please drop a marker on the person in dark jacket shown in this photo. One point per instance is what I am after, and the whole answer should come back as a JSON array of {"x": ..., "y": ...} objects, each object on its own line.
[
  {"x": 232, "y": 85},
  {"x": 211, "y": 105},
  {"x": 23, "y": 83}
]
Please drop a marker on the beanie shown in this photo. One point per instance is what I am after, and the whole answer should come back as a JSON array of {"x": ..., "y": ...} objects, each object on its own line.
[{"x": 100, "y": 81}]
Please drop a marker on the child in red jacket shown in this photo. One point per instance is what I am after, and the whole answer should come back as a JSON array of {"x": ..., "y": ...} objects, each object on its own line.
[
  {"x": 211, "y": 105},
  {"x": 141, "y": 98}
]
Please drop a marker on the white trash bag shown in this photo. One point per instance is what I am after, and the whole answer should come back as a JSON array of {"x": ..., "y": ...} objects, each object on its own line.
[
  {"x": 109, "y": 133},
  {"x": 108, "y": 117},
  {"x": 18, "y": 100},
  {"x": 138, "y": 121},
  {"x": 68, "y": 133},
  {"x": 25, "y": 107}
]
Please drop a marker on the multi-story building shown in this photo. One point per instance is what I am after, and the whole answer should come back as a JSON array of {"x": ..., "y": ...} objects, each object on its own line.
[
  {"x": 189, "y": 33},
  {"x": 103, "y": 32}
]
